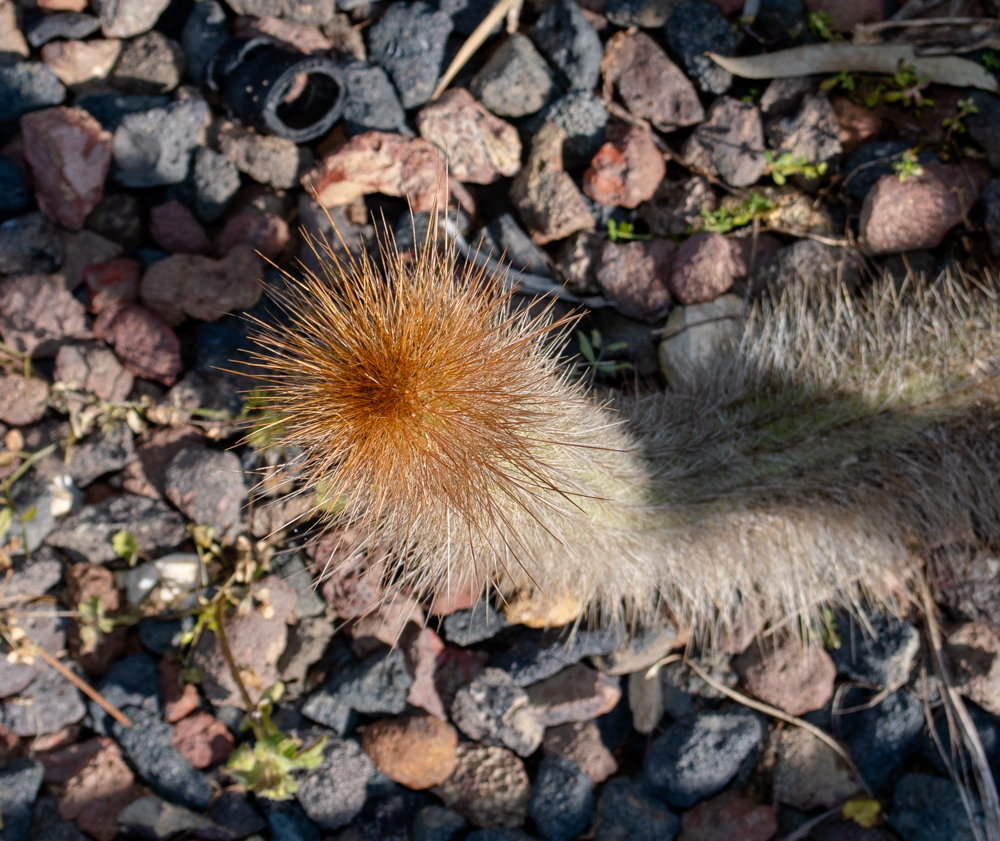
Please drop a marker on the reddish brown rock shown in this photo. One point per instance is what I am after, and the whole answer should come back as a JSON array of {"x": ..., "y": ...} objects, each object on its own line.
[
  {"x": 635, "y": 276},
  {"x": 266, "y": 233},
  {"x": 547, "y": 200},
  {"x": 489, "y": 786},
  {"x": 858, "y": 125},
  {"x": 580, "y": 742},
  {"x": 37, "y": 315},
  {"x": 727, "y": 817},
  {"x": 577, "y": 693},
  {"x": 417, "y": 751},
  {"x": 76, "y": 62},
  {"x": 98, "y": 791},
  {"x": 178, "y": 697},
  {"x": 917, "y": 213},
  {"x": 438, "y": 670},
  {"x": 351, "y": 588},
  {"x": 380, "y": 162},
  {"x": 23, "y": 400},
  {"x": 385, "y": 626},
  {"x": 82, "y": 249},
  {"x": 203, "y": 740},
  {"x": 146, "y": 474},
  {"x": 703, "y": 269},
  {"x": 789, "y": 678},
  {"x": 146, "y": 346},
  {"x": 92, "y": 369},
  {"x": 479, "y": 146},
  {"x": 175, "y": 229},
  {"x": 200, "y": 287},
  {"x": 111, "y": 283},
  {"x": 626, "y": 170},
  {"x": 84, "y": 582},
  {"x": 456, "y": 597},
  {"x": 69, "y": 155},
  {"x": 652, "y": 87}
]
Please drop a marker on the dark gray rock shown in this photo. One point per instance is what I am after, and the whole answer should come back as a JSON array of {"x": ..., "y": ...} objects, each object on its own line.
[
  {"x": 149, "y": 64},
  {"x": 333, "y": 794},
  {"x": 435, "y": 823},
  {"x": 149, "y": 747},
  {"x": 161, "y": 636},
  {"x": 493, "y": 710},
  {"x": 782, "y": 97},
  {"x": 926, "y": 808},
  {"x": 87, "y": 535},
  {"x": 33, "y": 497},
  {"x": 730, "y": 143},
  {"x": 627, "y": 812},
  {"x": 35, "y": 576},
  {"x": 216, "y": 180},
  {"x": 991, "y": 197},
  {"x": 696, "y": 27},
  {"x": 777, "y": 18},
  {"x": 291, "y": 569},
  {"x": 883, "y": 737},
  {"x": 986, "y": 727},
  {"x": 48, "y": 704},
  {"x": 698, "y": 756},
  {"x": 409, "y": 43},
  {"x": 46, "y": 629},
  {"x": 537, "y": 655},
  {"x": 515, "y": 81},
  {"x": 47, "y": 826},
  {"x": 813, "y": 133},
  {"x": 378, "y": 684},
  {"x": 208, "y": 486},
  {"x": 119, "y": 217},
  {"x": 233, "y": 810},
  {"x": 498, "y": 833},
  {"x": 205, "y": 31},
  {"x": 288, "y": 822},
  {"x": 372, "y": 101},
  {"x": 27, "y": 86},
  {"x": 563, "y": 34},
  {"x": 19, "y": 785},
  {"x": 29, "y": 244},
  {"x": 467, "y": 627},
  {"x": 13, "y": 188},
  {"x": 154, "y": 147},
  {"x": 106, "y": 450},
  {"x": 503, "y": 236},
  {"x": 562, "y": 799},
  {"x": 884, "y": 657},
  {"x": 133, "y": 683},
  {"x": 68, "y": 25},
  {"x": 984, "y": 126},
  {"x": 583, "y": 118},
  {"x": 644, "y": 13},
  {"x": 110, "y": 107},
  {"x": 466, "y": 15}
]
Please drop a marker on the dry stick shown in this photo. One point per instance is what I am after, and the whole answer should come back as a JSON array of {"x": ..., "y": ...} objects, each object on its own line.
[
  {"x": 81, "y": 684},
  {"x": 473, "y": 43},
  {"x": 970, "y": 736},
  {"x": 774, "y": 712},
  {"x": 227, "y": 652}
]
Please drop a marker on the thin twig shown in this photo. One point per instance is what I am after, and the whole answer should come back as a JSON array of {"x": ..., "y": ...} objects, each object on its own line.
[
  {"x": 774, "y": 712},
  {"x": 473, "y": 43},
  {"x": 227, "y": 652},
  {"x": 79, "y": 683}
]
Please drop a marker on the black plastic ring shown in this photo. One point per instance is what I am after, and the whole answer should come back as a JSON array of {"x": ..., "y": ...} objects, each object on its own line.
[{"x": 288, "y": 94}]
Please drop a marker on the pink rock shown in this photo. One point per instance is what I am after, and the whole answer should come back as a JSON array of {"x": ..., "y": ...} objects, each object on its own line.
[
  {"x": 192, "y": 285},
  {"x": 385, "y": 626},
  {"x": 266, "y": 233},
  {"x": 146, "y": 474},
  {"x": 142, "y": 341},
  {"x": 651, "y": 85},
  {"x": 380, "y": 162},
  {"x": 581, "y": 742},
  {"x": 69, "y": 155},
  {"x": 917, "y": 213},
  {"x": 704, "y": 269},
  {"x": 845, "y": 14},
  {"x": 98, "y": 791},
  {"x": 111, "y": 283},
  {"x": 858, "y": 125},
  {"x": 460, "y": 596},
  {"x": 62, "y": 5},
  {"x": 23, "y": 400},
  {"x": 37, "y": 315},
  {"x": 727, "y": 817},
  {"x": 626, "y": 170},
  {"x": 635, "y": 276},
  {"x": 93, "y": 369},
  {"x": 577, "y": 693},
  {"x": 175, "y": 229},
  {"x": 76, "y": 62},
  {"x": 178, "y": 698},
  {"x": 351, "y": 587},
  {"x": 303, "y": 37},
  {"x": 203, "y": 740},
  {"x": 480, "y": 147},
  {"x": 13, "y": 45},
  {"x": 789, "y": 678}
]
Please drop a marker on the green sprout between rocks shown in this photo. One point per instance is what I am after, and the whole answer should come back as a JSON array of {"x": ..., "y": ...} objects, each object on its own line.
[
  {"x": 595, "y": 352},
  {"x": 785, "y": 165},
  {"x": 821, "y": 26},
  {"x": 904, "y": 87},
  {"x": 624, "y": 232},
  {"x": 725, "y": 219},
  {"x": 990, "y": 62},
  {"x": 908, "y": 166},
  {"x": 844, "y": 80},
  {"x": 956, "y": 124}
]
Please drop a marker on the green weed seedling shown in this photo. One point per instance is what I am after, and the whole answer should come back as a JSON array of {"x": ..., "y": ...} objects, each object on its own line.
[
  {"x": 821, "y": 26},
  {"x": 908, "y": 166},
  {"x": 595, "y": 352},
  {"x": 784, "y": 166},
  {"x": 725, "y": 219},
  {"x": 624, "y": 232}
]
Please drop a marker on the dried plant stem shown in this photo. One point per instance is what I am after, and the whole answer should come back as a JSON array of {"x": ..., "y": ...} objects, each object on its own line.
[
  {"x": 474, "y": 42},
  {"x": 774, "y": 712},
  {"x": 234, "y": 668},
  {"x": 80, "y": 684}
]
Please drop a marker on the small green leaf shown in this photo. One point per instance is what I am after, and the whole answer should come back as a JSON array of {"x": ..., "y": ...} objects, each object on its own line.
[
  {"x": 586, "y": 348},
  {"x": 125, "y": 545},
  {"x": 6, "y": 520},
  {"x": 29, "y": 515}
]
